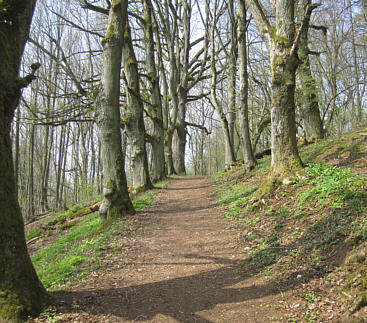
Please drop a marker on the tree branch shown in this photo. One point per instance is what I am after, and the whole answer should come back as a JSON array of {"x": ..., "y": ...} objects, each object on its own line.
[
  {"x": 25, "y": 81},
  {"x": 304, "y": 26},
  {"x": 324, "y": 29},
  {"x": 262, "y": 22},
  {"x": 198, "y": 126},
  {"x": 86, "y": 5}
]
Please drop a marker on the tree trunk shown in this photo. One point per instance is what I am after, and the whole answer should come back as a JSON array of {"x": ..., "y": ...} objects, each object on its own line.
[
  {"x": 21, "y": 292},
  {"x": 30, "y": 187},
  {"x": 46, "y": 169},
  {"x": 17, "y": 135},
  {"x": 179, "y": 135},
  {"x": 283, "y": 41},
  {"x": 116, "y": 201},
  {"x": 170, "y": 109},
  {"x": 158, "y": 164},
  {"x": 134, "y": 117},
  {"x": 229, "y": 157},
  {"x": 249, "y": 160},
  {"x": 228, "y": 147},
  {"x": 232, "y": 70},
  {"x": 310, "y": 111},
  {"x": 285, "y": 158}
]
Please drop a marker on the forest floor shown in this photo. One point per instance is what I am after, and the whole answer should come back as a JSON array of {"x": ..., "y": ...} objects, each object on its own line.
[
  {"x": 182, "y": 265},
  {"x": 203, "y": 253}
]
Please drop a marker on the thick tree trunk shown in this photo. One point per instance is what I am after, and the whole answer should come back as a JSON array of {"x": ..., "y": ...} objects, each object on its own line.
[
  {"x": 310, "y": 111},
  {"x": 116, "y": 201},
  {"x": 179, "y": 135},
  {"x": 170, "y": 106},
  {"x": 181, "y": 86},
  {"x": 283, "y": 42},
  {"x": 158, "y": 171},
  {"x": 134, "y": 117},
  {"x": 21, "y": 292},
  {"x": 249, "y": 160},
  {"x": 168, "y": 153},
  {"x": 285, "y": 158}
]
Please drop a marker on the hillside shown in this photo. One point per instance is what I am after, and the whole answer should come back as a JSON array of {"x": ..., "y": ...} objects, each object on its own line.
[
  {"x": 298, "y": 255},
  {"x": 309, "y": 236}
]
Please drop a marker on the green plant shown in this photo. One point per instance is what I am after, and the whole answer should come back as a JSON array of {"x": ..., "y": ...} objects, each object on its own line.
[
  {"x": 234, "y": 199},
  {"x": 310, "y": 298},
  {"x": 332, "y": 185},
  {"x": 50, "y": 315},
  {"x": 65, "y": 259},
  {"x": 34, "y": 233}
]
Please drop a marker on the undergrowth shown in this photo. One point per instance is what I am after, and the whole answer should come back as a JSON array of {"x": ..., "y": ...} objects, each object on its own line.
[
  {"x": 80, "y": 250},
  {"x": 305, "y": 229},
  {"x": 331, "y": 184}
]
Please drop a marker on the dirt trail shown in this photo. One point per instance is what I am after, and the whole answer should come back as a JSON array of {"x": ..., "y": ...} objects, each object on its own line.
[{"x": 183, "y": 266}]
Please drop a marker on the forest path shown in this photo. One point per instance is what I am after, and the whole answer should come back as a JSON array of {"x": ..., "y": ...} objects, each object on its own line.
[{"x": 183, "y": 265}]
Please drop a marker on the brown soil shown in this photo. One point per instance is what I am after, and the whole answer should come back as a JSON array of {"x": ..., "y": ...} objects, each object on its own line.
[{"x": 183, "y": 264}]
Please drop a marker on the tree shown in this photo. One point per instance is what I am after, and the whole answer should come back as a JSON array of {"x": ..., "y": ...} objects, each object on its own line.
[
  {"x": 282, "y": 40},
  {"x": 157, "y": 138},
  {"x": 249, "y": 160},
  {"x": 116, "y": 197},
  {"x": 21, "y": 292},
  {"x": 134, "y": 117},
  {"x": 227, "y": 119},
  {"x": 310, "y": 111}
]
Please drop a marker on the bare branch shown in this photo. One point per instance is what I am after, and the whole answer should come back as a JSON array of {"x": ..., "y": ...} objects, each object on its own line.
[
  {"x": 324, "y": 29},
  {"x": 86, "y": 5},
  {"x": 25, "y": 81},
  {"x": 304, "y": 26},
  {"x": 198, "y": 126}
]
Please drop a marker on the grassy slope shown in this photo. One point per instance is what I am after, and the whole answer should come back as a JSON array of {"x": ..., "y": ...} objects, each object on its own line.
[
  {"x": 77, "y": 247},
  {"x": 298, "y": 238}
]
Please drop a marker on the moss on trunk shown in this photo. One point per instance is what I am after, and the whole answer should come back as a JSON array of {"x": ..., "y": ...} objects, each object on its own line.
[{"x": 21, "y": 292}]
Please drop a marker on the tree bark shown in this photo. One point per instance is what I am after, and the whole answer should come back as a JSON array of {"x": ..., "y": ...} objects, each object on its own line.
[
  {"x": 249, "y": 160},
  {"x": 134, "y": 117},
  {"x": 232, "y": 71},
  {"x": 179, "y": 135},
  {"x": 116, "y": 201},
  {"x": 158, "y": 171},
  {"x": 285, "y": 158},
  {"x": 21, "y": 292},
  {"x": 228, "y": 145},
  {"x": 283, "y": 41},
  {"x": 310, "y": 111}
]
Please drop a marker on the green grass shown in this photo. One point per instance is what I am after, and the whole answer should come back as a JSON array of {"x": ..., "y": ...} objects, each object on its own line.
[
  {"x": 79, "y": 251},
  {"x": 332, "y": 185},
  {"x": 234, "y": 199},
  {"x": 34, "y": 233},
  {"x": 325, "y": 211}
]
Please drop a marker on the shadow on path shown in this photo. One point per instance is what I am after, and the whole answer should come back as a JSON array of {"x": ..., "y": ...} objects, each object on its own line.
[{"x": 182, "y": 298}]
